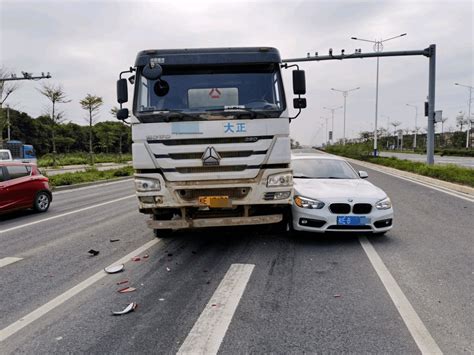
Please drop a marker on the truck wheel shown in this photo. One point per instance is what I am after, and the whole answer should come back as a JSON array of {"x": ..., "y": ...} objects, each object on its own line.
[{"x": 42, "y": 201}]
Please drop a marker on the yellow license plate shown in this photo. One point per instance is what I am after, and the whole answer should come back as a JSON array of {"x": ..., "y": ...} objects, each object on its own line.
[{"x": 215, "y": 201}]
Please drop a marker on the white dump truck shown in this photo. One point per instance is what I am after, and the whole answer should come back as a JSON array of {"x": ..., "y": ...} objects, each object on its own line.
[{"x": 210, "y": 132}]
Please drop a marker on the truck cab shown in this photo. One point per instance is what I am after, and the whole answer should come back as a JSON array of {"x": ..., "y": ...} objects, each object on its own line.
[{"x": 210, "y": 130}]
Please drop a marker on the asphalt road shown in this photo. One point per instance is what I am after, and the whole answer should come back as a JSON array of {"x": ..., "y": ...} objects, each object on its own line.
[
  {"x": 461, "y": 161},
  {"x": 305, "y": 293}
]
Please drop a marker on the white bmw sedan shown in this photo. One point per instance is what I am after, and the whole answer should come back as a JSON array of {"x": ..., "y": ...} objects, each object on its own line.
[{"x": 330, "y": 196}]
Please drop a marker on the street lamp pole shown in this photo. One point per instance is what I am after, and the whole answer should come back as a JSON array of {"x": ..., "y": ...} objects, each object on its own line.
[
  {"x": 345, "y": 93},
  {"x": 416, "y": 124},
  {"x": 378, "y": 47},
  {"x": 326, "y": 119},
  {"x": 332, "y": 109},
  {"x": 469, "y": 123}
]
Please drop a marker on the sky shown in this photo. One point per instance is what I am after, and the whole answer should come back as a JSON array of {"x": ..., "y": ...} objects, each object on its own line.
[{"x": 85, "y": 44}]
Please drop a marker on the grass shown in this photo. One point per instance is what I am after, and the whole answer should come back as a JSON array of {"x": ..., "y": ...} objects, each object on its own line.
[
  {"x": 89, "y": 175},
  {"x": 450, "y": 172},
  {"x": 81, "y": 158}
]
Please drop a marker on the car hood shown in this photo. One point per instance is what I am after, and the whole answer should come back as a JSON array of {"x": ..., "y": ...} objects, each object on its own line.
[{"x": 338, "y": 189}]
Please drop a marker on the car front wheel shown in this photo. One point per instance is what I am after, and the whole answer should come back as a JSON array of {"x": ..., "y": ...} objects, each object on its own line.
[{"x": 42, "y": 201}]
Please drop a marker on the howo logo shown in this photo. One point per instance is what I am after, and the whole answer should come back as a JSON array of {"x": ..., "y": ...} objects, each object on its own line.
[{"x": 210, "y": 157}]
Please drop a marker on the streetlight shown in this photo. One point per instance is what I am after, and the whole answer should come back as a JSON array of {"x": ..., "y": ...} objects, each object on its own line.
[
  {"x": 344, "y": 94},
  {"x": 332, "y": 109},
  {"x": 378, "y": 47},
  {"x": 326, "y": 139},
  {"x": 416, "y": 125},
  {"x": 388, "y": 127},
  {"x": 395, "y": 124},
  {"x": 469, "y": 123}
]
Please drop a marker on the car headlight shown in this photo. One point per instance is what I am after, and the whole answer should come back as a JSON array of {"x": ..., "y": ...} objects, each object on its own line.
[
  {"x": 285, "y": 179},
  {"x": 305, "y": 202},
  {"x": 384, "y": 204},
  {"x": 144, "y": 185}
]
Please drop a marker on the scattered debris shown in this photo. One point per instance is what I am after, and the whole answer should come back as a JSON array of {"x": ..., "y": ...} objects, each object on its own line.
[
  {"x": 114, "y": 240},
  {"x": 161, "y": 299},
  {"x": 337, "y": 295},
  {"x": 170, "y": 254},
  {"x": 194, "y": 252},
  {"x": 136, "y": 258},
  {"x": 168, "y": 269},
  {"x": 208, "y": 282},
  {"x": 130, "y": 308},
  {"x": 59, "y": 338},
  {"x": 93, "y": 252},
  {"x": 122, "y": 282},
  {"x": 213, "y": 305},
  {"x": 205, "y": 271},
  {"x": 146, "y": 256},
  {"x": 126, "y": 289},
  {"x": 114, "y": 269}
]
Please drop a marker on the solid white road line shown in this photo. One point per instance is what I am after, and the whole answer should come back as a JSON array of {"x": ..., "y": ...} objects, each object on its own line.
[
  {"x": 93, "y": 186},
  {"x": 210, "y": 328},
  {"x": 41, "y": 311},
  {"x": 417, "y": 329},
  {"x": 65, "y": 214},
  {"x": 8, "y": 261}
]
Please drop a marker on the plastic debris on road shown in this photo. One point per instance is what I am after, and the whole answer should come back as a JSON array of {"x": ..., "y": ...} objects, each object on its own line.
[
  {"x": 136, "y": 258},
  {"x": 337, "y": 295},
  {"x": 114, "y": 240},
  {"x": 170, "y": 254},
  {"x": 93, "y": 252},
  {"x": 114, "y": 269},
  {"x": 146, "y": 256},
  {"x": 168, "y": 269},
  {"x": 161, "y": 299},
  {"x": 130, "y": 308},
  {"x": 122, "y": 282},
  {"x": 126, "y": 289}
]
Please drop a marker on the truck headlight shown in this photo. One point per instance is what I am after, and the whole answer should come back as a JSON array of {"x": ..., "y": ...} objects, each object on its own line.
[
  {"x": 285, "y": 179},
  {"x": 384, "y": 204},
  {"x": 310, "y": 203},
  {"x": 145, "y": 185}
]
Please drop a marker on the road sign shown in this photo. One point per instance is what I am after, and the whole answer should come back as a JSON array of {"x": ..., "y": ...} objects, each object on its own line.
[
  {"x": 438, "y": 116},
  {"x": 330, "y": 135}
]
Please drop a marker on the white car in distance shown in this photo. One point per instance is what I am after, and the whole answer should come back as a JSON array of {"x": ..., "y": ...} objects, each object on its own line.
[{"x": 330, "y": 196}]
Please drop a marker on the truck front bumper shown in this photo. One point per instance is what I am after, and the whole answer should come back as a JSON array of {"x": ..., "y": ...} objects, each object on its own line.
[{"x": 215, "y": 222}]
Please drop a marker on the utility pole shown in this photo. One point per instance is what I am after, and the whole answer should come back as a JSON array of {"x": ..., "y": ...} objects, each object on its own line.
[
  {"x": 416, "y": 124},
  {"x": 326, "y": 119},
  {"x": 345, "y": 93},
  {"x": 8, "y": 122},
  {"x": 469, "y": 122},
  {"x": 378, "y": 47},
  {"x": 332, "y": 109}
]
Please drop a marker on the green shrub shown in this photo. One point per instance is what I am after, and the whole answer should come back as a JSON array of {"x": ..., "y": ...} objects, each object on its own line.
[
  {"x": 81, "y": 158},
  {"x": 91, "y": 174}
]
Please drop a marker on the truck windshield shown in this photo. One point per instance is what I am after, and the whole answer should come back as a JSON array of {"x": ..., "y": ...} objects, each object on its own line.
[{"x": 204, "y": 92}]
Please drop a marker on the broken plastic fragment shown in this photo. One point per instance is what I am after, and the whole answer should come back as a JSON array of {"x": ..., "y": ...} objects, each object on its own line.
[
  {"x": 122, "y": 282},
  {"x": 93, "y": 252},
  {"x": 127, "y": 289},
  {"x": 131, "y": 307},
  {"x": 161, "y": 299},
  {"x": 114, "y": 240},
  {"x": 114, "y": 269},
  {"x": 136, "y": 258},
  {"x": 337, "y": 295},
  {"x": 146, "y": 256},
  {"x": 170, "y": 254},
  {"x": 168, "y": 269}
]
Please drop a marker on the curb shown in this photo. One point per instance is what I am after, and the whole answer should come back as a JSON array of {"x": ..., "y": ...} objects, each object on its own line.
[
  {"x": 420, "y": 178},
  {"x": 91, "y": 183}
]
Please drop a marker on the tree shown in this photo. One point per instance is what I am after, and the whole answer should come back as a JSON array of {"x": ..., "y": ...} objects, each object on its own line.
[
  {"x": 92, "y": 104},
  {"x": 55, "y": 94},
  {"x": 461, "y": 121}
]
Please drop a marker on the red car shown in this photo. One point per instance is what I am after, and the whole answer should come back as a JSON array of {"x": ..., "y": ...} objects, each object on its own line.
[{"x": 22, "y": 186}]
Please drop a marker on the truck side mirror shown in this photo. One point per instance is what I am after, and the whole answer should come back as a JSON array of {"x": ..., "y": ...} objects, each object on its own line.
[
  {"x": 122, "y": 91},
  {"x": 122, "y": 114},
  {"x": 299, "y": 103},
  {"x": 299, "y": 82}
]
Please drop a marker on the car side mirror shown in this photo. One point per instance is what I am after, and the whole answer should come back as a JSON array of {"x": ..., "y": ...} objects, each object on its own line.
[
  {"x": 299, "y": 82},
  {"x": 122, "y": 114},
  {"x": 363, "y": 174},
  {"x": 299, "y": 103},
  {"x": 122, "y": 91}
]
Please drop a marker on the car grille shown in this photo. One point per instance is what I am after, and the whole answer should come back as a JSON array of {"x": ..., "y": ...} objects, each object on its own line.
[
  {"x": 342, "y": 208},
  {"x": 362, "y": 208},
  {"x": 232, "y": 192}
]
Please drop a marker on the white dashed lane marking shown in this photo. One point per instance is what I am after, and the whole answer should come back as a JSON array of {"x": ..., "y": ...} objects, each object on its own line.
[{"x": 8, "y": 261}]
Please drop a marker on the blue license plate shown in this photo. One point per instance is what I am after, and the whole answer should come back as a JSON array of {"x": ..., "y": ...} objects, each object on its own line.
[{"x": 352, "y": 221}]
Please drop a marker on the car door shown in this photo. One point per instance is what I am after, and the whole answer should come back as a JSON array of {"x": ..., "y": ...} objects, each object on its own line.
[
  {"x": 20, "y": 188},
  {"x": 5, "y": 194}
]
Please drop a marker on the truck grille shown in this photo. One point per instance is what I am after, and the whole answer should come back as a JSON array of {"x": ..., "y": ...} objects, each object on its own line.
[
  {"x": 198, "y": 155},
  {"x": 210, "y": 169},
  {"x": 209, "y": 140},
  {"x": 232, "y": 192}
]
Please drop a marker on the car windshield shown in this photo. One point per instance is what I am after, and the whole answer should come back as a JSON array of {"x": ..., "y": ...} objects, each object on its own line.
[
  {"x": 201, "y": 93},
  {"x": 322, "y": 169}
]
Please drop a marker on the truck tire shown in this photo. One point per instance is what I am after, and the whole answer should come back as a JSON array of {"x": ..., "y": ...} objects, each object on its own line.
[{"x": 42, "y": 201}]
